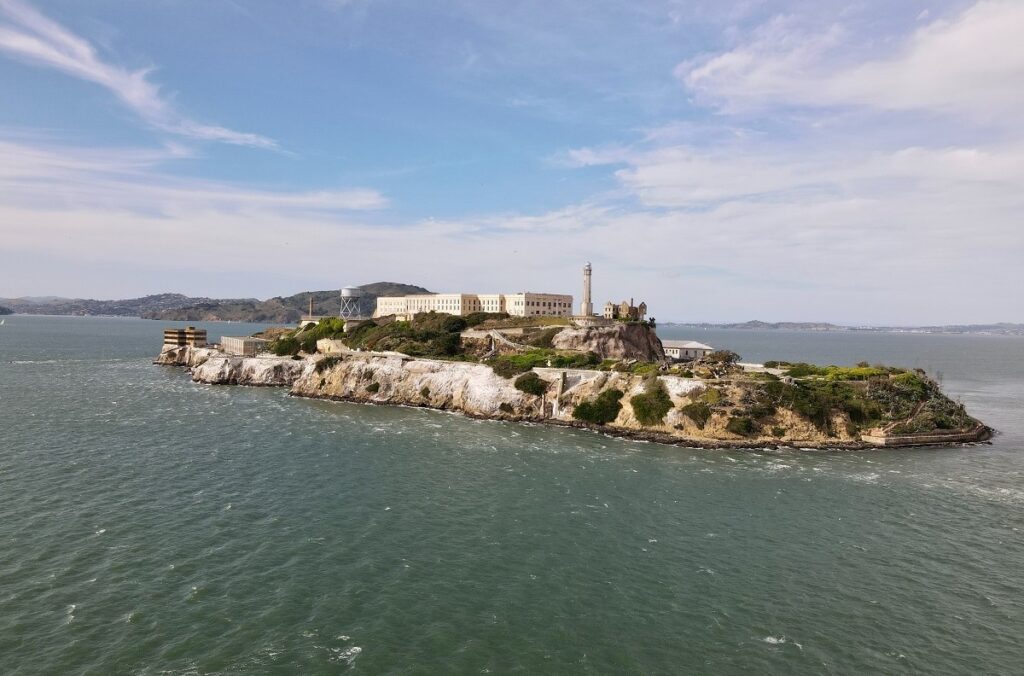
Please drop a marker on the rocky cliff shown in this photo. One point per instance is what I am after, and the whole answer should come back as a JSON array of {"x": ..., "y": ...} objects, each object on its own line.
[
  {"x": 186, "y": 356},
  {"x": 210, "y": 365},
  {"x": 620, "y": 341},
  {"x": 475, "y": 390},
  {"x": 695, "y": 412}
]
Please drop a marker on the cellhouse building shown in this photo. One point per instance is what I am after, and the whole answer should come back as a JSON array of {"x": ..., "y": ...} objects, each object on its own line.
[{"x": 524, "y": 304}]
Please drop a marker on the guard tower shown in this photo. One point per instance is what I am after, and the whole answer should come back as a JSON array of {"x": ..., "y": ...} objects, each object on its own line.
[{"x": 352, "y": 303}]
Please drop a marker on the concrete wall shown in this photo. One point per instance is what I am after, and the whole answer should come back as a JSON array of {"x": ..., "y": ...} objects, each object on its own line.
[{"x": 245, "y": 346}]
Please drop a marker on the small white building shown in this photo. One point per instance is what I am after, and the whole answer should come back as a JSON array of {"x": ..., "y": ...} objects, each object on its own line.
[
  {"x": 244, "y": 345},
  {"x": 685, "y": 349}
]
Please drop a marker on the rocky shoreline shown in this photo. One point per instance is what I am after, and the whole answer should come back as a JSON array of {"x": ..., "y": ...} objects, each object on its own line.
[{"x": 474, "y": 390}]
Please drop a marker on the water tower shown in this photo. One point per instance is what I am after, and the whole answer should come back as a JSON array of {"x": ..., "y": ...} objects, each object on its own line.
[{"x": 352, "y": 298}]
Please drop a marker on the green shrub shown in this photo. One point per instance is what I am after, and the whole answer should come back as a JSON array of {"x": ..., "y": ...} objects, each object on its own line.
[
  {"x": 651, "y": 406},
  {"x": 644, "y": 368},
  {"x": 698, "y": 412},
  {"x": 803, "y": 370},
  {"x": 910, "y": 383},
  {"x": 425, "y": 392},
  {"x": 712, "y": 396},
  {"x": 373, "y": 387},
  {"x": 531, "y": 383},
  {"x": 326, "y": 363},
  {"x": 602, "y": 410},
  {"x": 545, "y": 338},
  {"x": 771, "y": 364},
  {"x": 509, "y": 365},
  {"x": 477, "y": 318},
  {"x": 285, "y": 346},
  {"x": 778, "y": 432},
  {"x": 741, "y": 425},
  {"x": 762, "y": 409},
  {"x": 506, "y": 407},
  {"x": 428, "y": 334},
  {"x": 721, "y": 357}
]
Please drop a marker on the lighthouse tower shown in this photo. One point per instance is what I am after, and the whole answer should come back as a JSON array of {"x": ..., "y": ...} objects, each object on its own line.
[{"x": 587, "y": 307}]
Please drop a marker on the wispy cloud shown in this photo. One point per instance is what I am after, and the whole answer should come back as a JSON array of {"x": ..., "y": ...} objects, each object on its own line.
[
  {"x": 35, "y": 176},
  {"x": 30, "y": 36},
  {"x": 969, "y": 64}
]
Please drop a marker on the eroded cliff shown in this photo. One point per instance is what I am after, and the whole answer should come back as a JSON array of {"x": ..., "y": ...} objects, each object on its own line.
[
  {"x": 739, "y": 411},
  {"x": 620, "y": 341}
]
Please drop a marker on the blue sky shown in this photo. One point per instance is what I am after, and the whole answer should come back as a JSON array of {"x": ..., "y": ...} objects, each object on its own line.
[{"x": 845, "y": 161}]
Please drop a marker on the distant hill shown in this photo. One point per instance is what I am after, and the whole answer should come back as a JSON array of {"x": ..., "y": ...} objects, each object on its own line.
[
  {"x": 178, "y": 307},
  {"x": 1003, "y": 329},
  {"x": 131, "y": 307},
  {"x": 785, "y": 326},
  {"x": 6, "y": 310},
  {"x": 280, "y": 309}
]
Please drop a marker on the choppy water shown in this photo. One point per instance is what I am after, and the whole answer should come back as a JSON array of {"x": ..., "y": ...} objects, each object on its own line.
[{"x": 151, "y": 525}]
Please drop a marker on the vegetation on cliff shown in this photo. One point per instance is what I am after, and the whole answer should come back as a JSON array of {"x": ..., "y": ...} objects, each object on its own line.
[
  {"x": 304, "y": 339},
  {"x": 651, "y": 406},
  {"x": 837, "y": 401},
  {"x": 602, "y": 410},
  {"x": 426, "y": 335},
  {"x": 6, "y": 310},
  {"x": 509, "y": 365},
  {"x": 531, "y": 383},
  {"x": 713, "y": 398}
]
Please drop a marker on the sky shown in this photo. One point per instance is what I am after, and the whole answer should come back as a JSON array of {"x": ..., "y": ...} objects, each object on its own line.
[{"x": 860, "y": 162}]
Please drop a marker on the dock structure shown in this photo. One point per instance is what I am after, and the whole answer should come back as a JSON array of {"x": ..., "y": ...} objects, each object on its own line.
[{"x": 189, "y": 335}]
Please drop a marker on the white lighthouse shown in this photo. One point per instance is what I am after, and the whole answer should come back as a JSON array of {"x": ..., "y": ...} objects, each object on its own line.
[{"x": 587, "y": 307}]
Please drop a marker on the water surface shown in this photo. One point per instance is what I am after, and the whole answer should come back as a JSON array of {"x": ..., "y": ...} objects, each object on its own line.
[{"x": 153, "y": 525}]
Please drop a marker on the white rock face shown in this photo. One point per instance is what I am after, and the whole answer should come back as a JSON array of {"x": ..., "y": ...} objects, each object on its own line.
[
  {"x": 259, "y": 371},
  {"x": 462, "y": 386},
  {"x": 621, "y": 341},
  {"x": 186, "y": 356}
]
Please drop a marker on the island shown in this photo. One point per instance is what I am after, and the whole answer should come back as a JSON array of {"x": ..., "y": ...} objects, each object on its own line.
[{"x": 613, "y": 378}]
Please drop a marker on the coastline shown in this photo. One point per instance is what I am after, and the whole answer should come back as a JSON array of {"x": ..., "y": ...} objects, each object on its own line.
[{"x": 474, "y": 391}]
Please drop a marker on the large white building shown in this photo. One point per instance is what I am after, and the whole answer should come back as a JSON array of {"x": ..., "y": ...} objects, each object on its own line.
[{"x": 524, "y": 304}]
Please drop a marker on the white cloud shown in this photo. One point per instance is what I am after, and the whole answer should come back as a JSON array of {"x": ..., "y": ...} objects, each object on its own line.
[
  {"x": 34, "y": 38},
  {"x": 971, "y": 64},
  {"x": 36, "y": 176},
  {"x": 862, "y": 255}
]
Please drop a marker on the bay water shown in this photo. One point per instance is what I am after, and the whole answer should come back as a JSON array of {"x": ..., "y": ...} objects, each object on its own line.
[{"x": 151, "y": 525}]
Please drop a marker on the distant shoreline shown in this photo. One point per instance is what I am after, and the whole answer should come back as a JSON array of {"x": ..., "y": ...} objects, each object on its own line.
[{"x": 1002, "y": 329}]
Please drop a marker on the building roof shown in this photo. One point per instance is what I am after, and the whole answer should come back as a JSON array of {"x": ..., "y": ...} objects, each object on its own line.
[{"x": 686, "y": 345}]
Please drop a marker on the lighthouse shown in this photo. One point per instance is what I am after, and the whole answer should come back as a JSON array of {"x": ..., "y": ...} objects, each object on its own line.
[{"x": 587, "y": 307}]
